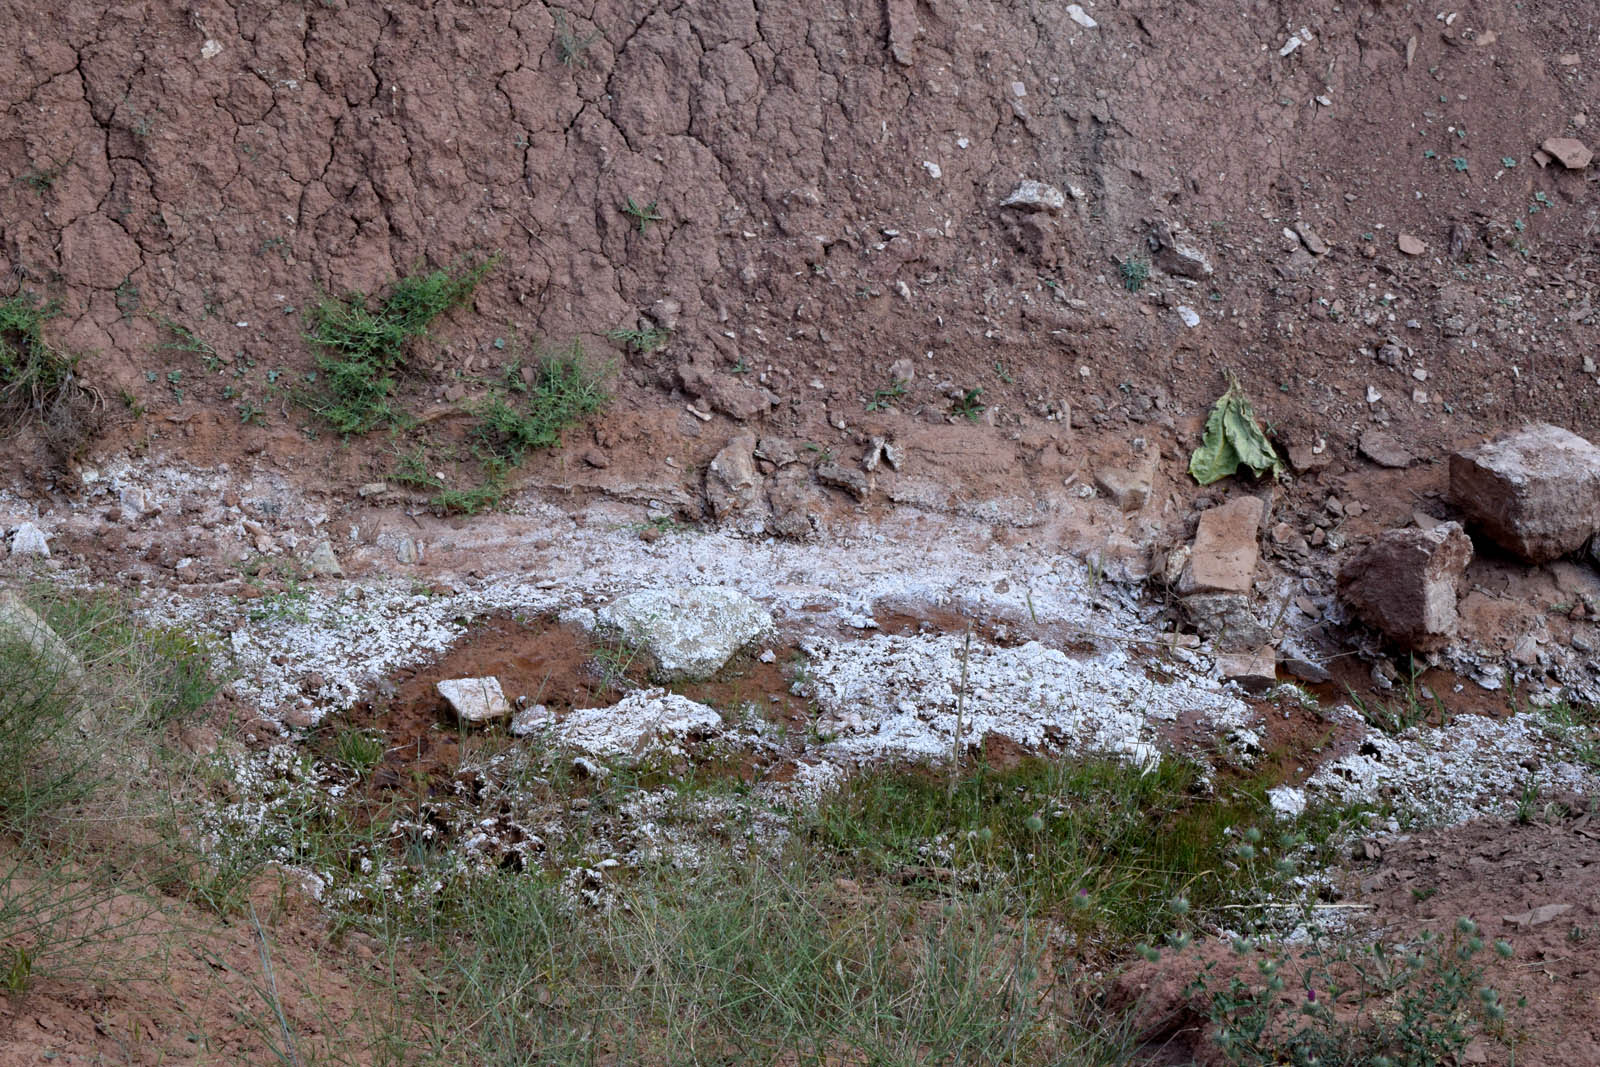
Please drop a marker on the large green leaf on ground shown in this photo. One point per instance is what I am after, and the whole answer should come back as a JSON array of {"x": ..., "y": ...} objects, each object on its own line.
[{"x": 1233, "y": 438}]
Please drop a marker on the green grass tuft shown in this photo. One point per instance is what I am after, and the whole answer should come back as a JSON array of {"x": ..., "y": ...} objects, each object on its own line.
[
  {"x": 33, "y": 373},
  {"x": 362, "y": 347},
  {"x": 527, "y": 416}
]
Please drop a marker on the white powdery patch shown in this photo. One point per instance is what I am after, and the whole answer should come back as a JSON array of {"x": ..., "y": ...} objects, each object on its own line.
[
  {"x": 351, "y": 641},
  {"x": 1473, "y": 767},
  {"x": 897, "y": 696},
  {"x": 638, "y": 723}
]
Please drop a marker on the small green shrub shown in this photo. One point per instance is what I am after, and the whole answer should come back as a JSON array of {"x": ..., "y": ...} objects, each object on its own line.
[
  {"x": 524, "y": 416},
  {"x": 1380, "y": 1005},
  {"x": 969, "y": 405},
  {"x": 1134, "y": 272},
  {"x": 362, "y": 347},
  {"x": 33, "y": 373},
  {"x": 642, "y": 341}
]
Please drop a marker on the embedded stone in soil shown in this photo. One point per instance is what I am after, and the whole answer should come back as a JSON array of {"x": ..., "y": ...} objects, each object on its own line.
[{"x": 540, "y": 662}]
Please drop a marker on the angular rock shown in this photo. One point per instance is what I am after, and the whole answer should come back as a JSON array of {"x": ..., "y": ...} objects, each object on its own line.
[
  {"x": 1036, "y": 196},
  {"x": 902, "y": 30},
  {"x": 1226, "y": 548},
  {"x": 733, "y": 486},
  {"x": 688, "y": 631},
  {"x": 797, "y": 504},
  {"x": 643, "y": 720},
  {"x": 1305, "y": 458},
  {"x": 1226, "y": 619},
  {"x": 1306, "y": 670},
  {"x": 1536, "y": 492},
  {"x": 406, "y": 551},
  {"x": 1410, "y": 245},
  {"x": 778, "y": 451},
  {"x": 1404, "y": 583},
  {"x": 1385, "y": 450},
  {"x": 1572, "y": 153},
  {"x": 1128, "y": 487},
  {"x": 839, "y": 476},
  {"x": 1176, "y": 255},
  {"x": 322, "y": 563},
  {"x": 29, "y": 540},
  {"x": 475, "y": 700},
  {"x": 1313, "y": 241},
  {"x": 1254, "y": 668}
]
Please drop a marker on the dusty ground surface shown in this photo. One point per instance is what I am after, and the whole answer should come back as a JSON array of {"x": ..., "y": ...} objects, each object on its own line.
[{"x": 828, "y": 181}]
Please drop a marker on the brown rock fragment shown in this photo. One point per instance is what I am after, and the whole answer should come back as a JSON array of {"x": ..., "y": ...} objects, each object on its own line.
[
  {"x": 1404, "y": 583},
  {"x": 1571, "y": 152},
  {"x": 1536, "y": 491},
  {"x": 1225, "y": 548}
]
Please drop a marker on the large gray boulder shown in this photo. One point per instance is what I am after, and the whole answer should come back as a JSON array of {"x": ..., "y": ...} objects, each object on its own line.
[
  {"x": 1404, "y": 583},
  {"x": 688, "y": 631},
  {"x": 1536, "y": 492}
]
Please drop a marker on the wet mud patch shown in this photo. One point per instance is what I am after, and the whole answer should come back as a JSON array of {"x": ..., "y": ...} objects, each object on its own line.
[{"x": 538, "y": 661}]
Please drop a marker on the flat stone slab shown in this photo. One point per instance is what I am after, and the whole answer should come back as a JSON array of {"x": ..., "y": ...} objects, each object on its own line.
[
  {"x": 1226, "y": 548},
  {"x": 688, "y": 631},
  {"x": 475, "y": 700},
  {"x": 1404, "y": 583},
  {"x": 1535, "y": 492},
  {"x": 1255, "y": 669}
]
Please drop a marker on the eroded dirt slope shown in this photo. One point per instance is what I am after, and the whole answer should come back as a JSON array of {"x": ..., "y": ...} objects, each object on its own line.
[{"x": 828, "y": 179}]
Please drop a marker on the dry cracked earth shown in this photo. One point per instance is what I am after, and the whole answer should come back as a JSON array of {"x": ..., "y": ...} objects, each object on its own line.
[{"x": 853, "y": 382}]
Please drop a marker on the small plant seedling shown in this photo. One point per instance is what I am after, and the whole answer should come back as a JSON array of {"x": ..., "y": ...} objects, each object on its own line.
[
  {"x": 41, "y": 179},
  {"x": 969, "y": 405},
  {"x": 644, "y": 216},
  {"x": 641, "y": 341},
  {"x": 885, "y": 396},
  {"x": 1134, "y": 272},
  {"x": 570, "y": 46},
  {"x": 1459, "y": 162},
  {"x": 1001, "y": 373}
]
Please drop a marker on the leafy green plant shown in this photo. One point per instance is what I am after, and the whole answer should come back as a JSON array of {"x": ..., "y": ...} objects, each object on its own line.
[
  {"x": 411, "y": 469},
  {"x": 361, "y": 347},
  {"x": 1232, "y": 439},
  {"x": 644, "y": 340},
  {"x": 525, "y": 416},
  {"x": 1134, "y": 272},
  {"x": 643, "y": 216},
  {"x": 479, "y": 498},
  {"x": 884, "y": 396},
  {"x": 969, "y": 405},
  {"x": 1381, "y": 1005}
]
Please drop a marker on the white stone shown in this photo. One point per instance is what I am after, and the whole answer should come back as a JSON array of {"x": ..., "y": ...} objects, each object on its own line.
[
  {"x": 1189, "y": 316},
  {"x": 689, "y": 631},
  {"x": 1287, "y": 801},
  {"x": 641, "y": 721},
  {"x": 1030, "y": 195},
  {"x": 475, "y": 700},
  {"x": 933, "y": 169},
  {"x": 1076, "y": 13},
  {"x": 29, "y": 540}
]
